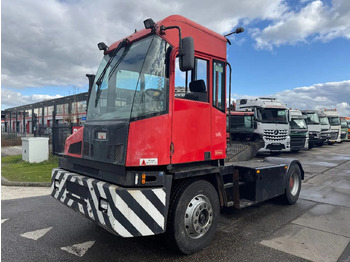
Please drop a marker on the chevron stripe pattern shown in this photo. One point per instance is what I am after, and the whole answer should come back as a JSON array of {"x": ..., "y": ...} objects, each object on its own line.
[{"x": 131, "y": 212}]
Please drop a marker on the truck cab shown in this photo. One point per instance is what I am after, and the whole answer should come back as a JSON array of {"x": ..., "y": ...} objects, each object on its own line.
[
  {"x": 299, "y": 136},
  {"x": 344, "y": 129},
  {"x": 240, "y": 126},
  {"x": 314, "y": 127},
  {"x": 325, "y": 128},
  {"x": 271, "y": 116},
  {"x": 348, "y": 121},
  {"x": 334, "y": 121}
]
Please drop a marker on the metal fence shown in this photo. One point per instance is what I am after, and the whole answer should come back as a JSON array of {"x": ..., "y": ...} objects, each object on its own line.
[{"x": 57, "y": 136}]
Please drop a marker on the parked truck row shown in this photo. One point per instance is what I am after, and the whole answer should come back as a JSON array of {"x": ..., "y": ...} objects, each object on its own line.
[{"x": 282, "y": 129}]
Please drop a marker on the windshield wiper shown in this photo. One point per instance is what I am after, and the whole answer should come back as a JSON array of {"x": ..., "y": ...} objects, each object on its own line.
[{"x": 100, "y": 78}]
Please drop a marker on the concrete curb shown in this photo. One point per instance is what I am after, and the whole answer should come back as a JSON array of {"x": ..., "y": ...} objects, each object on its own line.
[{"x": 5, "y": 182}]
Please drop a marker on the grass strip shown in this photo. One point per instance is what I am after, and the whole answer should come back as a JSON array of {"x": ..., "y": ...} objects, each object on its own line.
[{"x": 13, "y": 168}]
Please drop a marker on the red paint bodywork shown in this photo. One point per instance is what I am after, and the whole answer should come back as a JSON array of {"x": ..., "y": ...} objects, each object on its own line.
[
  {"x": 191, "y": 131},
  {"x": 74, "y": 138},
  {"x": 149, "y": 138},
  {"x": 192, "y": 127}
]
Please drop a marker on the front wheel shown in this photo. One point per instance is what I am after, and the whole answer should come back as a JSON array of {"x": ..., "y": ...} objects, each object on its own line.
[
  {"x": 293, "y": 186},
  {"x": 193, "y": 216}
]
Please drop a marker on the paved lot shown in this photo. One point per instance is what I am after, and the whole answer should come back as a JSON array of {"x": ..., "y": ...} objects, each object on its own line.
[
  {"x": 316, "y": 228},
  {"x": 11, "y": 150}
]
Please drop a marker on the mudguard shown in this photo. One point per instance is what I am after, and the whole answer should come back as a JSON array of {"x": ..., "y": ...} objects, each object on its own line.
[{"x": 285, "y": 161}]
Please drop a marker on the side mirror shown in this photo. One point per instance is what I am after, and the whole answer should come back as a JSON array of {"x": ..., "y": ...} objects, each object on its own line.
[
  {"x": 187, "y": 54},
  {"x": 91, "y": 82}
]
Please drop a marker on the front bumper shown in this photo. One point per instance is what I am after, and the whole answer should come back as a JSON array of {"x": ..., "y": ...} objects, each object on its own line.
[{"x": 127, "y": 212}]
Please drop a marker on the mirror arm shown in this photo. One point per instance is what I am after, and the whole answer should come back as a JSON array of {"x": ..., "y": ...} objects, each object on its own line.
[{"x": 162, "y": 31}]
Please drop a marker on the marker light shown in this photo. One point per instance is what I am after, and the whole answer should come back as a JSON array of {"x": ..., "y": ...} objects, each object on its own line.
[
  {"x": 143, "y": 181},
  {"x": 103, "y": 205},
  {"x": 57, "y": 184}
]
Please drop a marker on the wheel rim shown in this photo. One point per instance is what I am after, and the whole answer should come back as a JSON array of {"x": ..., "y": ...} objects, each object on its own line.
[
  {"x": 294, "y": 183},
  {"x": 198, "y": 216}
]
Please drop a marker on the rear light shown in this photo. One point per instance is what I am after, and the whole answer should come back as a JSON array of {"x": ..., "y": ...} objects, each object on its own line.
[{"x": 149, "y": 178}]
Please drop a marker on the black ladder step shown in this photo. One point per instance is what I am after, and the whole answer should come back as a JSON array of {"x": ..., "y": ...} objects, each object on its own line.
[
  {"x": 228, "y": 185},
  {"x": 230, "y": 203},
  {"x": 245, "y": 203}
]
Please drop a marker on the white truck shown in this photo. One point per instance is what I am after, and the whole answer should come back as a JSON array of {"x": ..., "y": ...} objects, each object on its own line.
[
  {"x": 334, "y": 121},
  {"x": 272, "y": 122},
  {"x": 313, "y": 126},
  {"x": 325, "y": 128},
  {"x": 299, "y": 135}
]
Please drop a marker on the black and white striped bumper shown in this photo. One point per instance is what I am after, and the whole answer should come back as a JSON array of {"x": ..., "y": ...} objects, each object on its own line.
[{"x": 131, "y": 212}]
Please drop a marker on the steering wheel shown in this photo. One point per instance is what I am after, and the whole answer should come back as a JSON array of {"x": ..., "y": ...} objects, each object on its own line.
[{"x": 154, "y": 93}]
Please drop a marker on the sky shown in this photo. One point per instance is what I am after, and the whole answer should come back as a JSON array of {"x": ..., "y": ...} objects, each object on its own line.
[{"x": 295, "y": 50}]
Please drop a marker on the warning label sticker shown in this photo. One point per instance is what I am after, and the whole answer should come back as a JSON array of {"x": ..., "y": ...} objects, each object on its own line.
[{"x": 148, "y": 161}]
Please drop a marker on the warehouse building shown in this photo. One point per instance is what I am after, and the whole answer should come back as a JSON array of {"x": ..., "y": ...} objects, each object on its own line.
[{"x": 39, "y": 118}]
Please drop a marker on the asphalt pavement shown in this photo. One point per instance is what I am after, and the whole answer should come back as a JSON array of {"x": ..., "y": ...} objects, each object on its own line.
[{"x": 35, "y": 227}]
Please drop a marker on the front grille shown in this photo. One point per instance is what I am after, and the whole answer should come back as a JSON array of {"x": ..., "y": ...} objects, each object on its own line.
[
  {"x": 297, "y": 142},
  {"x": 343, "y": 136},
  {"x": 86, "y": 149},
  {"x": 115, "y": 152},
  {"x": 75, "y": 148},
  {"x": 334, "y": 135},
  {"x": 275, "y": 135}
]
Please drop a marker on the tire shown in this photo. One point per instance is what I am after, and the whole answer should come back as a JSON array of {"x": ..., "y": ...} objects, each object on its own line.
[
  {"x": 330, "y": 143},
  {"x": 295, "y": 150},
  {"x": 193, "y": 216},
  {"x": 293, "y": 185}
]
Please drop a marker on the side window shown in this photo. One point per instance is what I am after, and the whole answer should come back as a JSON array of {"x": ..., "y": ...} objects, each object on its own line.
[
  {"x": 219, "y": 85},
  {"x": 192, "y": 85},
  {"x": 182, "y": 80},
  {"x": 201, "y": 70}
]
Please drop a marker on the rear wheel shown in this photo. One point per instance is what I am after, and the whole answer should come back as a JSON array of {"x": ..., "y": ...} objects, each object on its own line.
[
  {"x": 193, "y": 216},
  {"x": 293, "y": 186}
]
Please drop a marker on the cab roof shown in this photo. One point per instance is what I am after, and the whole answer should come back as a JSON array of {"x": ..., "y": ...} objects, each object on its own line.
[{"x": 205, "y": 40}]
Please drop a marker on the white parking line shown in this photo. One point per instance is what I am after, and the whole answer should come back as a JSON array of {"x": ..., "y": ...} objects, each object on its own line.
[
  {"x": 3, "y": 220},
  {"x": 79, "y": 249},
  {"x": 35, "y": 235}
]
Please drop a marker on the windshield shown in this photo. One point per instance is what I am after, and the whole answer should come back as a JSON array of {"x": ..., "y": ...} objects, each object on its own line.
[
  {"x": 298, "y": 123},
  {"x": 134, "y": 84},
  {"x": 312, "y": 118},
  {"x": 324, "y": 120},
  {"x": 272, "y": 115},
  {"x": 344, "y": 124},
  {"x": 334, "y": 121},
  {"x": 241, "y": 123}
]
